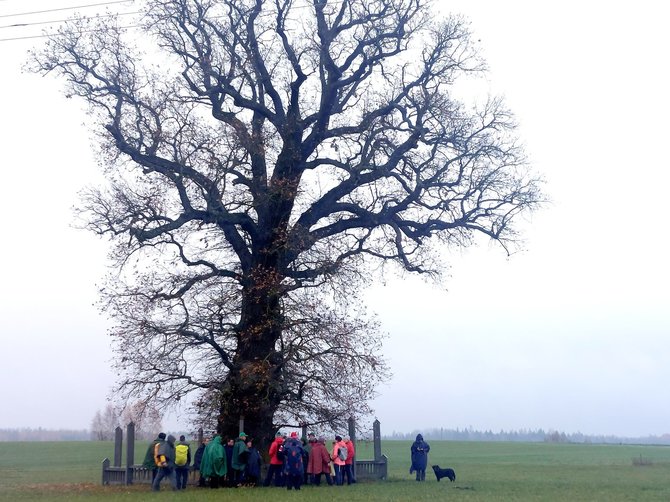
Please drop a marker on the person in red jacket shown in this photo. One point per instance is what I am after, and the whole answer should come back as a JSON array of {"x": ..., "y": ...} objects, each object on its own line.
[
  {"x": 319, "y": 462},
  {"x": 349, "y": 462},
  {"x": 338, "y": 462},
  {"x": 276, "y": 462}
]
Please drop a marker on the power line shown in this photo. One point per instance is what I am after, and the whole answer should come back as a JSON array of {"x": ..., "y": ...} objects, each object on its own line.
[
  {"x": 28, "y": 37},
  {"x": 65, "y": 8},
  {"x": 48, "y": 35},
  {"x": 35, "y": 23}
]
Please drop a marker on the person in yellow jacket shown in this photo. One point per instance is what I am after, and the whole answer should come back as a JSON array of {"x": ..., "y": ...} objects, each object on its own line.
[{"x": 182, "y": 462}]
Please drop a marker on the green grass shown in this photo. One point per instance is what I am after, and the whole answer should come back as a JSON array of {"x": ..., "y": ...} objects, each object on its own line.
[{"x": 485, "y": 472}]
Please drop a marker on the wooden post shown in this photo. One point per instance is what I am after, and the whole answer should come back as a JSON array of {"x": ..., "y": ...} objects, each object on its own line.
[
  {"x": 351, "y": 423},
  {"x": 130, "y": 453},
  {"x": 351, "y": 426},
  {"x": 105, "y": 466},
  {"x": 377, "y": 438},
  {"x": 118, "y": 446}
]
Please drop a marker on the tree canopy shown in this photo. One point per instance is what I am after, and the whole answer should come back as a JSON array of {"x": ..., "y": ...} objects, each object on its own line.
[{"x": 262, "y": 158}]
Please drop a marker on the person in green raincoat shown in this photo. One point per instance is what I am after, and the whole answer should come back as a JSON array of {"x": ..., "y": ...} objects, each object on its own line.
[
  {"x": 240, "y": 457},
  {"x": 213, "y": 465}
]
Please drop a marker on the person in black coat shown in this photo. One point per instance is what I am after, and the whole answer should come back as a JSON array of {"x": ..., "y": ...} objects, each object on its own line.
[
  {"x": 252, "y": 471},
  {"x": 197, "y": 460},
  {"x": 228, "y": 447},
  {"x": 419, "y": 451}
]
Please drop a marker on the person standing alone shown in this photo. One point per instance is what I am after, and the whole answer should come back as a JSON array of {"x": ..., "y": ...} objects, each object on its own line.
[{"x": 419, "y": 450}]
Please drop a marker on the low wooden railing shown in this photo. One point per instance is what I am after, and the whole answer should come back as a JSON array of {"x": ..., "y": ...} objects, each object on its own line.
[
  {"x": 137, "y": 474},
  {"x": 372, "y": 469}
]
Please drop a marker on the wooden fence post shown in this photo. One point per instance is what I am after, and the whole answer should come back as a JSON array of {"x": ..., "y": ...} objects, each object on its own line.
[
  {"x": 118, "y": 446},
  {"x": 130, "y": 453},
  {"x": 351, "y": 423},
  {"x": 105, "y": 466},
  {"x": 377, "y": 438}
]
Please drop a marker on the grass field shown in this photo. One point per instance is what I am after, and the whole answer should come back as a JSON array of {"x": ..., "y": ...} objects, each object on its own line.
[{"x": 66, "y": 471}]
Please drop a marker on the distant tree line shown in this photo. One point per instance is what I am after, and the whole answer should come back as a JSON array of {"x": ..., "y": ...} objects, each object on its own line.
[
  {"x": 526, "y": 436},
  {"x": 435, "y": 434},
  {"x": 147, "y": 420}
]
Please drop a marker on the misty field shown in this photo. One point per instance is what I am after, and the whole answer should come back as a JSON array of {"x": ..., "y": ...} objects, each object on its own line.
[{"x": 485, "y": 471}]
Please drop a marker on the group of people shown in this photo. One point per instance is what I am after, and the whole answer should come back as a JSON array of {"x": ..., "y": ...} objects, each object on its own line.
[
  {"x": 230, "y": 463},
  {"x": 236, "y": 462},
  {"x": 295, "y": 462},
  {"x": 168, "y": 459}
]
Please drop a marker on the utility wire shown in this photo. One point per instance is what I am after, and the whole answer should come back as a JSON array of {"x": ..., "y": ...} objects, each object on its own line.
[
  {"x": 65, "y": 8},
  {"x": 35, "y": 23},
  {"x": 48, "y": 35},
  {"x": 28, "y": 37}
]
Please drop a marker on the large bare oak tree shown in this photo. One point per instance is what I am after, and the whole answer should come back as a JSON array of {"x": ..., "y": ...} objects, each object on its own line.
[{"x": 263, "y": 158}]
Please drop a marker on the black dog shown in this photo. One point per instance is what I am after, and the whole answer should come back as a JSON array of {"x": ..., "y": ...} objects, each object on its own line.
[{"x": 444, "y": 473}]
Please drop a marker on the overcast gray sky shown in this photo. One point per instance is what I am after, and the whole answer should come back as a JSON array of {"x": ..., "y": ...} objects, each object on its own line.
[{"x": 571, "y": 334}]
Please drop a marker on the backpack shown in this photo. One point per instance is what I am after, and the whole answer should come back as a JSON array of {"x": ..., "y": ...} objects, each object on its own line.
[
  {"x": 293, "y": 457},
  {"x": 157, "y": 457},
  {"x": 342, "y": 452},
  {"x": 181, "y": 454}
]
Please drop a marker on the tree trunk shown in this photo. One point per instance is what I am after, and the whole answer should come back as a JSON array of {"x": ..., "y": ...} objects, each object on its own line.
[{"x": 253, "y": 387}]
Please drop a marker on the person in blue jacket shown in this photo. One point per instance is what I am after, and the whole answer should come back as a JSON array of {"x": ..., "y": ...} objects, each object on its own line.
[
  {"x": 293, "y": 460},
  {"x": 419, "y": 451},
  {"x": 253, "y": 469}
]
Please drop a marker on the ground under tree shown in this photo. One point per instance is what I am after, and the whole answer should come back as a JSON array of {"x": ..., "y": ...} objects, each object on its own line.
[{"x": 263, "y": 159}]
